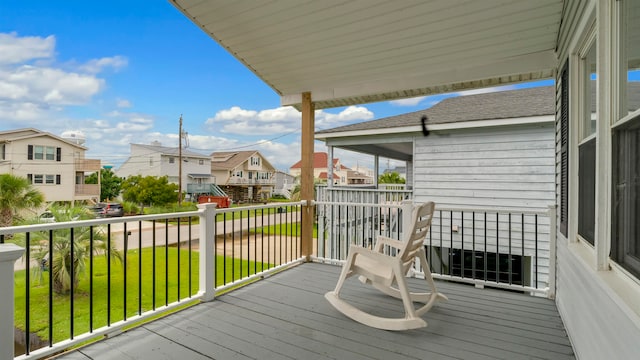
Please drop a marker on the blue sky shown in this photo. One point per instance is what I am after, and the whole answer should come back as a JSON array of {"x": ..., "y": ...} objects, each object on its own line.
[{"x": 123, "y": 72}]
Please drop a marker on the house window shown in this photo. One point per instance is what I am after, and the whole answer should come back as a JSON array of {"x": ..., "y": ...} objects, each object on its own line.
[
  {"x": 587, "y": 146},
  {"x": 38, "y": 152},
  {"x": 200, "y": 162},
  {"x": 150, "y": 161},
  {"x": 172, "y": 160},
  {"x": 46, "y": 179},
  {"x": 630, "y": 48},
  {"x": 50, "y": 153},
  {"x": 626, "y": 209},
  {"x": 625, "y": 227},
  {"x": 255, "y": 161},
  {"x": 3, "y": 151}
]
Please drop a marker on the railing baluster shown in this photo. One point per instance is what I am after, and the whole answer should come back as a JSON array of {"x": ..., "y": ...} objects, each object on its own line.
[
  {"x": 27, "y": 292},
  {"x": 178, "y": 255},
  {"x": 108, "y": 274},
  {"x": 536, "y": 249},
  {"x": 486, "y": 249},
  {"x": 140, "y": 267},
  {"x": 153, "y": 266},
  {"x": 166, "y": 262},
  {"x": 50, "y": 260},
  {"x": 522, "y": 256},
  {"x": 473, "y": 245},
  {"x": 124, "y": 269},
  {"x": 462, "y": 244},
  {"x": 510, "y": 262}
]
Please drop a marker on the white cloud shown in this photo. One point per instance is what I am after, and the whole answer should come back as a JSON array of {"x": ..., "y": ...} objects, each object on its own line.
[
  {"x": 15, "y": 49},
  {"x": 123, "y": 103},
  {"x": 47, "y": 86},
  {"x": 95, "y": 66},
  {"x": 487, "y": 90},
  {"x": 32, "y": 91},
  {"x": 236, "y": 120},
  {"x": 408, "y": 102},
  {"x": 349, "y": 115}
]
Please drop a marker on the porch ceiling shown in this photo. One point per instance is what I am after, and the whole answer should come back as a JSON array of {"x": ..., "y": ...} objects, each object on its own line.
[{"x": 353, "y": 52}]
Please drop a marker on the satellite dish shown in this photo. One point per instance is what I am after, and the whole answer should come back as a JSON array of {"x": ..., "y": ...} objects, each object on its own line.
[{"x": 75, "y": 136}]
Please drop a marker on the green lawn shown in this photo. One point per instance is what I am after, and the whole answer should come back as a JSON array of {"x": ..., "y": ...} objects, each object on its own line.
[{"x": 166, "y": 290}]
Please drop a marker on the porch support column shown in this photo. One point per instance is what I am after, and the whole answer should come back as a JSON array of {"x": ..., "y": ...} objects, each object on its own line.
[
  {"x": 306, "y": 175},
  {"x": 329, "y": 167},
  {"x": 376, "y": 170}
]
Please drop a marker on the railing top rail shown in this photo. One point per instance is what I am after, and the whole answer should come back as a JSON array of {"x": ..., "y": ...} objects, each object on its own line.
[
  {"x": 373, "y": 205},
  {"x": 93, "y": 222},
  {"x": 354, "y": 188},
  {"x": 257, "y": 207},
  {"x": 493, "y": 210},
  {"x": 443, "y": 208}
]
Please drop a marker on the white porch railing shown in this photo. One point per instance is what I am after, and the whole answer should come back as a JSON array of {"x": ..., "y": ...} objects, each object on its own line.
[
  {"x": 166, "y": 261},
  {"x": 171, "y": 260},
  {"x": 505, "y": 249}
]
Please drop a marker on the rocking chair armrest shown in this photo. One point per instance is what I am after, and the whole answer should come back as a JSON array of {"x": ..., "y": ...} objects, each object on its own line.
[{"x": 383, "y": 240}]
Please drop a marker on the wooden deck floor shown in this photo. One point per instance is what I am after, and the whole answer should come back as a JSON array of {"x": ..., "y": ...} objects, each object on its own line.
[{"x": 286, "y": 317}]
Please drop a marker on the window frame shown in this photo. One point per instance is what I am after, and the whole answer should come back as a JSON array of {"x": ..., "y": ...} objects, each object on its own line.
[{"x": 587, "y": 141}]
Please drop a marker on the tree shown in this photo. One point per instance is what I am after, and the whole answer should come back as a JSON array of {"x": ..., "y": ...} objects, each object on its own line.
[
  {"x": 110, "y": 184},
  {"x": 391, "y": 178},
  {"x": 62, "y": 264},
  {"x": 149, "y": 190},
  {"x": 16, "y": 193}
]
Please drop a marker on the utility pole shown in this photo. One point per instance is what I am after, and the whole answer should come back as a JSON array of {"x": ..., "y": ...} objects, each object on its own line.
[{"x": 180, "y": 163}]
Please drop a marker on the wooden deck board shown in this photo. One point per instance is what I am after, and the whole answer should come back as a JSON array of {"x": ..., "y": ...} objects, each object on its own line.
[{"x": 286, "y": 316}]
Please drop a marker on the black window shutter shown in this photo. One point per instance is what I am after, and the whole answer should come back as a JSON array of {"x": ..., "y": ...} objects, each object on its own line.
[
  {"x": 57, "y": 179},
  {"x": 29, "y": 152},
  {"x": 58, "y": 154},
  {"x": 564, "y": 148},
  {"x": 30, "y": 178}
]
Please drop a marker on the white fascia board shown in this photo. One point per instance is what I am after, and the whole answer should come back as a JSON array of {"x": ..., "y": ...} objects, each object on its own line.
[{"x": 440, "y": 127}]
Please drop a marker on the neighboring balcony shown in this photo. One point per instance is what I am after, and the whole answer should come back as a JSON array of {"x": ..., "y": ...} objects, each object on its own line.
[
  {"x": 87, "y": 190},
  {"x": 245, "y": 181},
  {"x": 87, "y": 164}
]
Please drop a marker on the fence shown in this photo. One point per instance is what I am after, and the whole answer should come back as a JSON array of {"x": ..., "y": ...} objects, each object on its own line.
[
  {"x": 87, "y": 279},
  {"x": 505, "y": 249}
]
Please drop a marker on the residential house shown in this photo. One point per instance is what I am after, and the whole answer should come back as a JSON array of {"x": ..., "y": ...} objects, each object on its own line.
[
  {"x": 285, "y": 183},
  {"x": 191, "y": 168},
  {"x": 341, "y": 174},
  {"x": 493, "y": 150},
  {"x": 56, "y": 166},
  {"x": 400, "y": 170},
  {"x": 243, "y": 175}
]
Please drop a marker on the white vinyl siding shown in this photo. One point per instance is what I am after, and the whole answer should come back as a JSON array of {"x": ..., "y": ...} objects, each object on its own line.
[{"x": 491, "y": 168}]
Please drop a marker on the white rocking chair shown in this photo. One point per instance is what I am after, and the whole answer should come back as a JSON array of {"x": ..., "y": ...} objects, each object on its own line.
[{"x": 384, "y": 271}]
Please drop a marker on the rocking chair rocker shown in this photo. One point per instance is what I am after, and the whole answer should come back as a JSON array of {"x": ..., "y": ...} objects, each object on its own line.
[{"x": 384, "y": 271}]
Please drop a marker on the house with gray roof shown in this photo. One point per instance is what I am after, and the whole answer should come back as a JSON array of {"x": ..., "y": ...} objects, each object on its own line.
[
  {"x": 490, "y": 150},
  {"x": 192, "y": 168},
  {"x": 243, "y": 175}
]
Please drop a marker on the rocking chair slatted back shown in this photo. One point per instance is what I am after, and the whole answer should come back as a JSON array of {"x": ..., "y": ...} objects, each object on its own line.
[{"x": 414, "y": 239}]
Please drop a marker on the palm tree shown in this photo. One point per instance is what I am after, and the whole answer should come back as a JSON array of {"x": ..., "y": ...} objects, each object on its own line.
[
  {"x": 64, "y": 263},
  {"x": 16, "y": 193}
]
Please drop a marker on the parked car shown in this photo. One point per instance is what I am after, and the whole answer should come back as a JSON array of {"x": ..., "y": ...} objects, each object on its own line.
[
  {"x": 108, "y": 209},
  {"x": 47, "y": 217}
]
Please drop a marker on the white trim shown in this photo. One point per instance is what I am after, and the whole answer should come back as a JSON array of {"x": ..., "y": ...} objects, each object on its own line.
[{"x": 440, "y": 127}]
